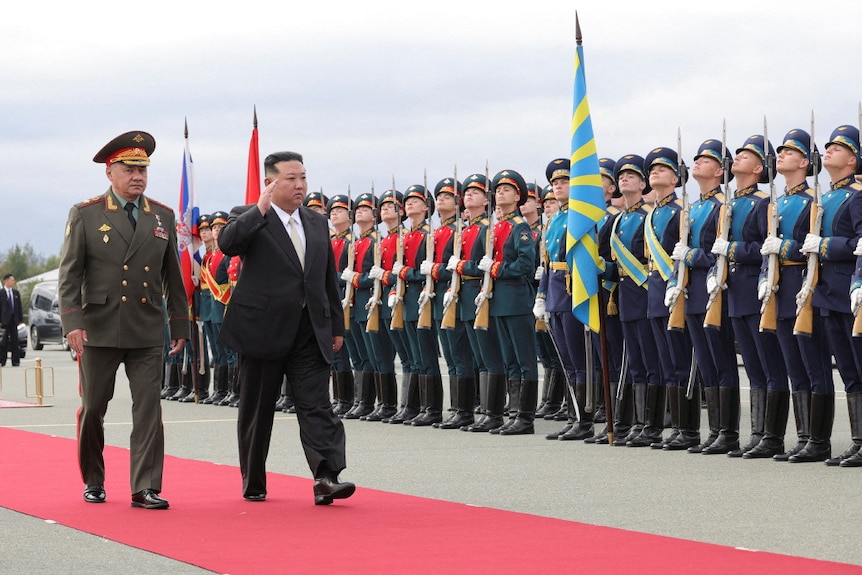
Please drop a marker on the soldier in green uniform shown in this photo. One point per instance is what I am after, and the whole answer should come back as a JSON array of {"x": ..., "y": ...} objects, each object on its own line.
[{"x": 119, "y": 258}]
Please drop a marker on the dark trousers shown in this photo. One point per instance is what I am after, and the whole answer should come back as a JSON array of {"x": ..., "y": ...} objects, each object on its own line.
[
  {"x": 98, "y": 374},
  {"x": 11, "y": 345},
  {"x": 320, "y": 431}
]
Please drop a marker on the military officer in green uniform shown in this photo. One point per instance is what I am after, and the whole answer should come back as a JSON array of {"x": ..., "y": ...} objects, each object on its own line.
[{"x": 119, "y": 258}]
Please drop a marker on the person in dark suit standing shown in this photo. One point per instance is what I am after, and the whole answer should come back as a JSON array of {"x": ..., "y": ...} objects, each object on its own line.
[
  {"x": 285, "y": 318},
  {"x": 119, "y": 259},
  {"x": 11, "y": 315}
]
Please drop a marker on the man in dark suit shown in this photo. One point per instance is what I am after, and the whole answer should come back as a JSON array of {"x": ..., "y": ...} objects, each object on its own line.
[
  {"x": 285, "y": 318},
  {"x": 119, "y": 261},
  {"x": 11, "y": 315}
]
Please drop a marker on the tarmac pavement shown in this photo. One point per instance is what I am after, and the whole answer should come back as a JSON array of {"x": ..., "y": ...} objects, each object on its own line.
[{"x": 796, "y": 509}]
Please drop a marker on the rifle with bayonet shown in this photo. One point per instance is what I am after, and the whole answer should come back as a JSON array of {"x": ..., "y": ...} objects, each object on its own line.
[
  {"x": 483, "y": 308},
  {"x": 676, "y": 320},
  {"x": 350, "y": 246},
  {"x": 373, "y": 305},
  {"x": 769, "y": 307},
  {"x": 541, "y": 324},
  {"x": 713, "y": 306},
  {"x": 450, "y": 307},
  {"x": 425, "y": 307},
  {"x": 397, "y": 321},
  {"x": 804, "y": 324}
]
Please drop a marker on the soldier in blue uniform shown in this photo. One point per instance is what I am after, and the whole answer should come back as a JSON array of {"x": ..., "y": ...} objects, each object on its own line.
[
  {"x": 661, "y": 233},
  {"x": 629, "y": 267},
  {"x": 554, "y": 304},
  {"x": 554, "y": 382},
  {"x": 760, "y": 351},
  {"x": 840, "y": 233},
  {"x": 713, "y": 347},
  {"x": 608, "y": 305},
  {"x": 512, "y": 267},
  {"x": 806, "y": 357}
]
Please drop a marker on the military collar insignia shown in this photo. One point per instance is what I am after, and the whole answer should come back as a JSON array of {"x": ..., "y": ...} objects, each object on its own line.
[
  {"x": 638, "y": 205},
  {"x": 796, "y": 189},
  {"x": 842, "y": 183},
  {"x": 746, "y": 191}
]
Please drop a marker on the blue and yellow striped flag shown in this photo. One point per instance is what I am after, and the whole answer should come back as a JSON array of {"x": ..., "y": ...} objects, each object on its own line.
[{"x": 586, "y": 205}]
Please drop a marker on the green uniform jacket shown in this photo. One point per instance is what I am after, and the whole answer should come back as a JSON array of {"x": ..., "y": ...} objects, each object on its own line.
[{"x": 112, "y": 278}]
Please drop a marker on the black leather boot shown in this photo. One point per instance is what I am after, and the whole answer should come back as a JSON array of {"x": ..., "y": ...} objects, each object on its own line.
[
  {"x": 465, "y": 389},
  {"x": 410, "y": 398},
  {"x": 640, "y": 397},
  {"x": 378, "y": 399},
  {"x": 583, "y": 428},
  {"x": 453, "y": 402},
  {"x": 495, "y": 401},
  {"x": 571, "y": 419},
  {"x": 654, "y": 410},
  {"x": 527, "y": 397},
  {"x": 775, "y": 426},
  {"x": 388, "y": 396},
  {"x": 513, "y": 387},
  {"x": 802, "y": 414},
  {"x": 600, "y": 415},
  {"x": 433, "y": 412},
  {"x": 624, "y": 414},
  {"x": 819, "y": 446},
  {"x": 689, "y": 420},
  {"x": 673, "y": 408},
  {"x": 185, "y": 388},
  {"x": 758, "y": 422},
  {"x": 602, "y": 437},
  {"x": 555, "y": 380},
  {"x": 713, "y": 417},
  {"x": 173, "y": 384},
  {"x": 346, "y": 382},
  {"x": 728, "y": 437},
  {"x": 366, "y": 395},
  {"x": 233, "y": 378},
  {"x": 356, "y": 394},
  {"x": 854, "y": 406},
  {"x": 482, "y": 392}
]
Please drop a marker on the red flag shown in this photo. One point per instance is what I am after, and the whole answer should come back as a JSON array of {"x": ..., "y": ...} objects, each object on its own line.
[
  {"x": 188, "y": 239},
  {"x": 252, "y": 183}
]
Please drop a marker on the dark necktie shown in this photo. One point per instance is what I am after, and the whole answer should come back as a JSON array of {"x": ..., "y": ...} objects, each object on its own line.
[
  {"x": 129, "y": 207},
  {"x": 11, "y": 300}
]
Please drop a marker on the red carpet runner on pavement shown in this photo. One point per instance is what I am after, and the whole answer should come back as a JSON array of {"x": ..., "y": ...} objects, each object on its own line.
[{"x": 211, "y": 526}]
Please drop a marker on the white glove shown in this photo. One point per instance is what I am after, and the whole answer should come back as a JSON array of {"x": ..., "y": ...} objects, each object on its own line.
[
  {"x": 539, "y": 308},
  {"x": 376, "y": 273},
  {"x": 423, "y": 299},
  {"x": 762, "y": 290},
  {"x": 603, "y": 265},
  {"x": 858, "y": 250},
  {"x": 348, "y": 275},
  {"x": 392, "y": 301},
  {"x": 855, "y": 300},
  {"x": 679, "y": 251},
  {"x": 448, "y": 298},
  {"x": 480, "y": 299},
  {"x": 771, "y": 245},
  {"x": 540, "y": 271},
  {"x": 671, "y": 294},
  {"x": 485, "y": 263},
  {"x": 453, "y": 263},
  {"x": 345, "y": 303},
  {"x": 811, "y": 245},
  {"x": 425, "y": 268},
  {"x": 397, "y": 267},
  {"x": 711, "y": 284},
  {"x": 802, "y": 296},
  {"x": 720, "y": 247}
]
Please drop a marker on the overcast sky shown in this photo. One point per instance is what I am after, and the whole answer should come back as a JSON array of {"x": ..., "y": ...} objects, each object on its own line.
[{"x": 372, "y": 90}]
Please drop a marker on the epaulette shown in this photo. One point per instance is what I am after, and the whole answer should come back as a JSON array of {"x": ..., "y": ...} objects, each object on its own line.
[
  {"x": 678, "y": 202},
  {"x": 485, "y": 221},
  {"x": 518, "y": 220},
  {"x": 760, "y": 194},
  {"x": 90, "y": 202},
  {"x": 856, "y": 186},
  {"x": 160, "y": 204}
]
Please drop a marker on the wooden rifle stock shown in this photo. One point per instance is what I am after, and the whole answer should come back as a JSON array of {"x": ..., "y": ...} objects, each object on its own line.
[
  {"x": 373, "y": 324},
  {"x": 397, "y": 321},
  {"x": 769, "y": 310},
  {"x": 450, "y": 312},
  {"x": 804, "y": 324},
  {"x": 425, "y": 318},
  {"x": 483, "y": 311},
  {"x": 676, "y": 321}
]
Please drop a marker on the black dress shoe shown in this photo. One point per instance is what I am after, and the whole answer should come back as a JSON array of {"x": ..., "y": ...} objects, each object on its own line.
[
  {"x": 327, "y": 488},
  {"x": 255, "y": 497},
  {"x": 94, "y": 494},
  {"x": 149, "y": 499}
]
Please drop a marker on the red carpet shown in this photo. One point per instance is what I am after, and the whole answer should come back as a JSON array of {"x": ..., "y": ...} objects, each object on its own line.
[{"x": 211, "y": 526}]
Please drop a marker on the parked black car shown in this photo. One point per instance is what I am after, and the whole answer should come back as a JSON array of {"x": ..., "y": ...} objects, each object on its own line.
[{"x": 44, "y": 317}]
